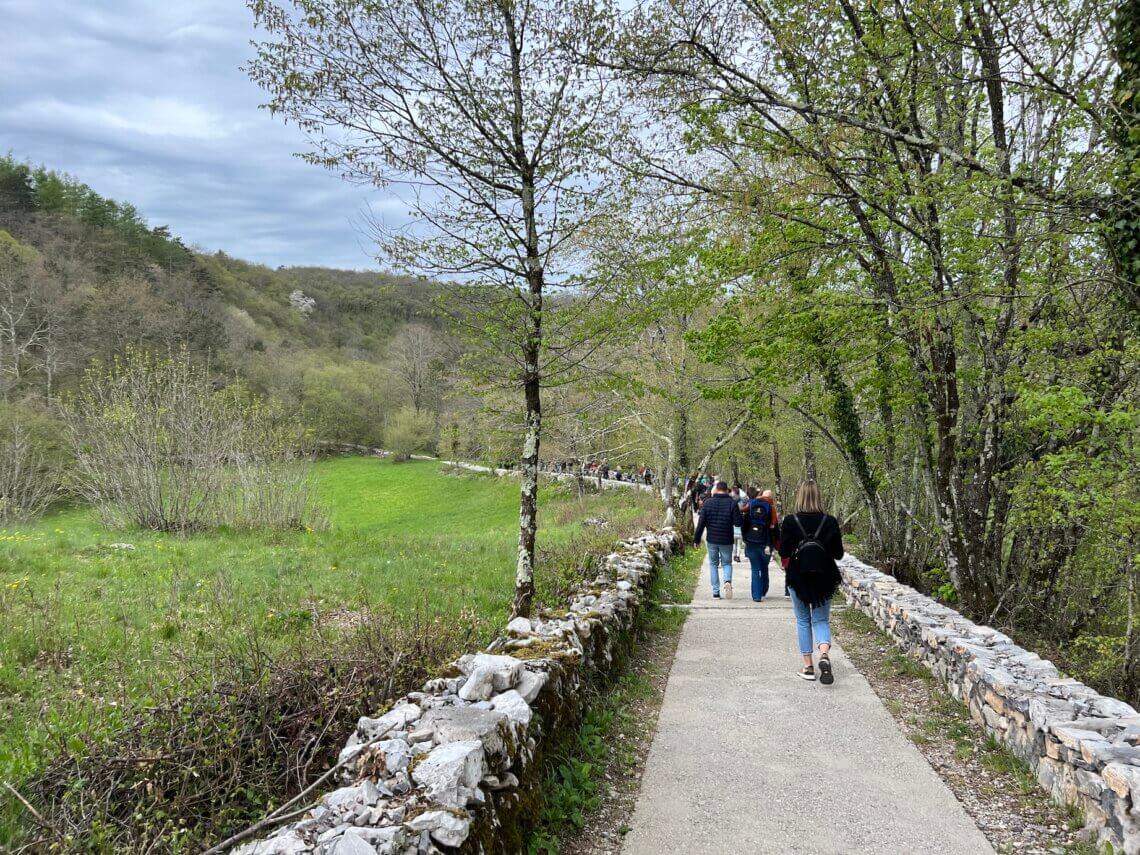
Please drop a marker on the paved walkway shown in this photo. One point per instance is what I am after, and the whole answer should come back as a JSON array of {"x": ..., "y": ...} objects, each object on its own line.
[{"x": 749, "y": 758}]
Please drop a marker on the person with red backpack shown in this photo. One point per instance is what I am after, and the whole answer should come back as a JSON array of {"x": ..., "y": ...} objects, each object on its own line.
[
  {"x": 811, "y": 541},
  {"x": 759, "y": 538}
]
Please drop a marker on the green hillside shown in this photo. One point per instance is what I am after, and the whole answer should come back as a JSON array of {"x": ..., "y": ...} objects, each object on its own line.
[{"x": 90, "y": 277}]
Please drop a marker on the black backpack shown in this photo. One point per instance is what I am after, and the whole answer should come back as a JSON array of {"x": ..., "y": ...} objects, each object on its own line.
[
  {"x": 818, "y": 558},
  {"x": 760, "y": 518}
]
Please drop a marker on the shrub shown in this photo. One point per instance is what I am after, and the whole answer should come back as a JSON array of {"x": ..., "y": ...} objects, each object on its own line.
[
  {"x": 158, "y": 446},
  {"x": 192, "y": 769},
  {"x": 409, "y": 432},
  {"x": 30, "y": 464}
]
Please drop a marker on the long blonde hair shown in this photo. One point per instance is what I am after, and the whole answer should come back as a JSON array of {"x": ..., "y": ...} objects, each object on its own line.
[{"x": 808, "y": 499}]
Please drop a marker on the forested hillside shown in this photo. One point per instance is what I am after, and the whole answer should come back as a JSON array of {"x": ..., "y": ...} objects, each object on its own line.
[{"x": 83, "y": 276}]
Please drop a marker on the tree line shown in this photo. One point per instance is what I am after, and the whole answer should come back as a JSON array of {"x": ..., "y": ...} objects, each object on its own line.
[{"x": 901, "y": 234}]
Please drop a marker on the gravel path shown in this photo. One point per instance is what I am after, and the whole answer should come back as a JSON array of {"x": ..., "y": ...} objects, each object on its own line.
[{"x": 749, "y": 758}]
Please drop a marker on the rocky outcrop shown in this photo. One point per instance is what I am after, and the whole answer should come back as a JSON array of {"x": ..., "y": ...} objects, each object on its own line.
[
  {"x": 457, "y": 766},
  {"x": 1081, "y": 745}
]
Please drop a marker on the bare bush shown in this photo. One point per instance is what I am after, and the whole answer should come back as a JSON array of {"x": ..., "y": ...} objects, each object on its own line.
[
  {"x": 190, "y": 769},
  {"x": 28, "y": 482},
  {"x": 158, "y": 446}
]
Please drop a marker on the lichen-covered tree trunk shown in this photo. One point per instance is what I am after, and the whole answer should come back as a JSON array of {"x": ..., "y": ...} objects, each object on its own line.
[
  {"x": 810, "y": 473},
  {"x": 528, "y": 496}
]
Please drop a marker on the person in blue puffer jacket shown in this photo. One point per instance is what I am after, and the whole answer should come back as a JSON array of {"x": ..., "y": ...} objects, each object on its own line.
[{"x": 719, "y": 515}]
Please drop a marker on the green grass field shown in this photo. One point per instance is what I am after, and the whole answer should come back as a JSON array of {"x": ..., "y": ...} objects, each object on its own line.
[{"x": 94, "y": 622}]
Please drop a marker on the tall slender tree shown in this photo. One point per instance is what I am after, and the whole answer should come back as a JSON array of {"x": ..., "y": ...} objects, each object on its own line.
[{"x": 495, "y": 138}]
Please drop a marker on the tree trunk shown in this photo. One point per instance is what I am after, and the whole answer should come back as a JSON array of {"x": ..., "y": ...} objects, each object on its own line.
[
  {"x": 810, "y": 473},
  {"x": 528, "y": 496},
  {"x": 681, "y": 438},
  {"x": 777, "y": 477},
  {"x": 532, "y": 346}
]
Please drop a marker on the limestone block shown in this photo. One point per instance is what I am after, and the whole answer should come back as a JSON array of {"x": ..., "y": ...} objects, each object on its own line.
[
  {"x": 1048, "y": 774},
  {"x": 1045, "y": 711},
  {"x": 448, "y": 769},
  {"x": 1111, "y": 708},
  {"x": 286, "y": 844},
  {"x": 464, "y": 724},
  {"x": 505, "y": 669},
  {"x": 1071, "y": 734},
  {"x": 397, "y": 754},
  {"x": 445, "y": 827},
  {"x": 480, "y": 684},
  {"x": 1121, "y": 778},
  {"x": 530, "y": 684},
  {"x": 398, "y": 717},
  {"x": 364, "y": 793},
  {"x": 349, "y": 843},
  {"x": 520, "y": 625},
  {"x": 1090, "y": 783},
  {"x": 994, "y": 721},
  {"x": 514, "y": 706}
]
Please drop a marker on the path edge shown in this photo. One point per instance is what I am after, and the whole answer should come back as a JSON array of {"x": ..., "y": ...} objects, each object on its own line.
[{"x": 1080, "y": 745}]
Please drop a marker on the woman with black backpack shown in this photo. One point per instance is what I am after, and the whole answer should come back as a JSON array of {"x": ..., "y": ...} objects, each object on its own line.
[{"x": 812, "y": 541}]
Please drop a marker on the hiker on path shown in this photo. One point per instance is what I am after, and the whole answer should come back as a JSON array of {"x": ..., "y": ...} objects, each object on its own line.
[
  {"x": 771, "y": 500},
  {"x": 759, "y": 538},
  {"x": 741, "y": 498},
  {"x": 719, "y": 515},
  {"x": 811, "y": 541}
]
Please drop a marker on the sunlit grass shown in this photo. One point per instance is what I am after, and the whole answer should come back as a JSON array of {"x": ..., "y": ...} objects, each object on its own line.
[{"x": 93, "y": 621}]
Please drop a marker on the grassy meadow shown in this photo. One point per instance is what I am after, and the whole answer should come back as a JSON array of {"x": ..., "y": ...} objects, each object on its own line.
[{"x": 95, "y": 623}]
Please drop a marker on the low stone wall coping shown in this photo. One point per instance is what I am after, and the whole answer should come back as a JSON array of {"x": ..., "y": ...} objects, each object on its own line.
[
  {"x": 1081, "y": 745},
  {"x": 457, "y": 766}
]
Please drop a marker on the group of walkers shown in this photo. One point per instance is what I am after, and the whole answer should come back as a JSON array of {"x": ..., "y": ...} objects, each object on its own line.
[
  {"x": 808, "y": 541},
  {"x": 594, "y": 469}
]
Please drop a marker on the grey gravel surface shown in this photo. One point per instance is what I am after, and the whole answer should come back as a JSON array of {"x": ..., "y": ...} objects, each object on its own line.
[{"x": 749, "y": 758}]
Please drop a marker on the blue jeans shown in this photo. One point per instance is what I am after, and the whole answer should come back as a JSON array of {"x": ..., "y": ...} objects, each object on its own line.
[
  {"x": 760, "y": 557},
  {"x": 811, "y": 622},
  {"x": 719, "y": 554}
]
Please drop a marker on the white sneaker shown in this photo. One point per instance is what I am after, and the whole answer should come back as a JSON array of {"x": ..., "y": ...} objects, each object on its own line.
[{"x": 726, "y": 589}]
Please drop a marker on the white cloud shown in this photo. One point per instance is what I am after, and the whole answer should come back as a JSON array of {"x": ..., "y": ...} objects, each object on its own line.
[
  {"x": 158, "y": 116},
  {"x": 146, "y": 103}
]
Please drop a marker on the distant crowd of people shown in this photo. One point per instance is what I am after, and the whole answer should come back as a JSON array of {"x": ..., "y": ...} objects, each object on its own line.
[
  {"x": 595, "y": 469},
  {"x": 808, "y": 541}
]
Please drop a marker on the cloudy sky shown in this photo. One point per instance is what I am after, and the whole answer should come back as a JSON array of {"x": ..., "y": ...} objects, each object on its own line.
[{"x": 144, "y": 101}]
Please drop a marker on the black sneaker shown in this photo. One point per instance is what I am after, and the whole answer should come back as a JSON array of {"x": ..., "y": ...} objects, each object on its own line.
[
  {"x": 825, "y": 675},
  {"x": 716, "y": 596},
  {"x": 807, "y": 673}
]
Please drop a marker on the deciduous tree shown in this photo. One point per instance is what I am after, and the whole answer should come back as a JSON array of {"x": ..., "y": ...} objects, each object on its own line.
[{"x": 495, "y": 137}]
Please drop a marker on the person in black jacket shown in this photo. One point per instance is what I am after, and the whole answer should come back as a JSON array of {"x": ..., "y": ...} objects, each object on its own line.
[
  {"x": 811, "y": 539},
  {"x": 719, "y": 516}
]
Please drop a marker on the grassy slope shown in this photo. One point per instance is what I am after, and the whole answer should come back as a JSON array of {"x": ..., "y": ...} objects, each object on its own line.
[{"x": 87, "y": 629}]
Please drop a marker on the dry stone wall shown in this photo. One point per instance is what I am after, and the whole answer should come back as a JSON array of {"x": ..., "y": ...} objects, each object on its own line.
[
  {"x": 603, "y": 483},
  {"x": 1081, "y": 745},
  {"x": 326, "y": 447},
  {"x": 457, "y": 766}
]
